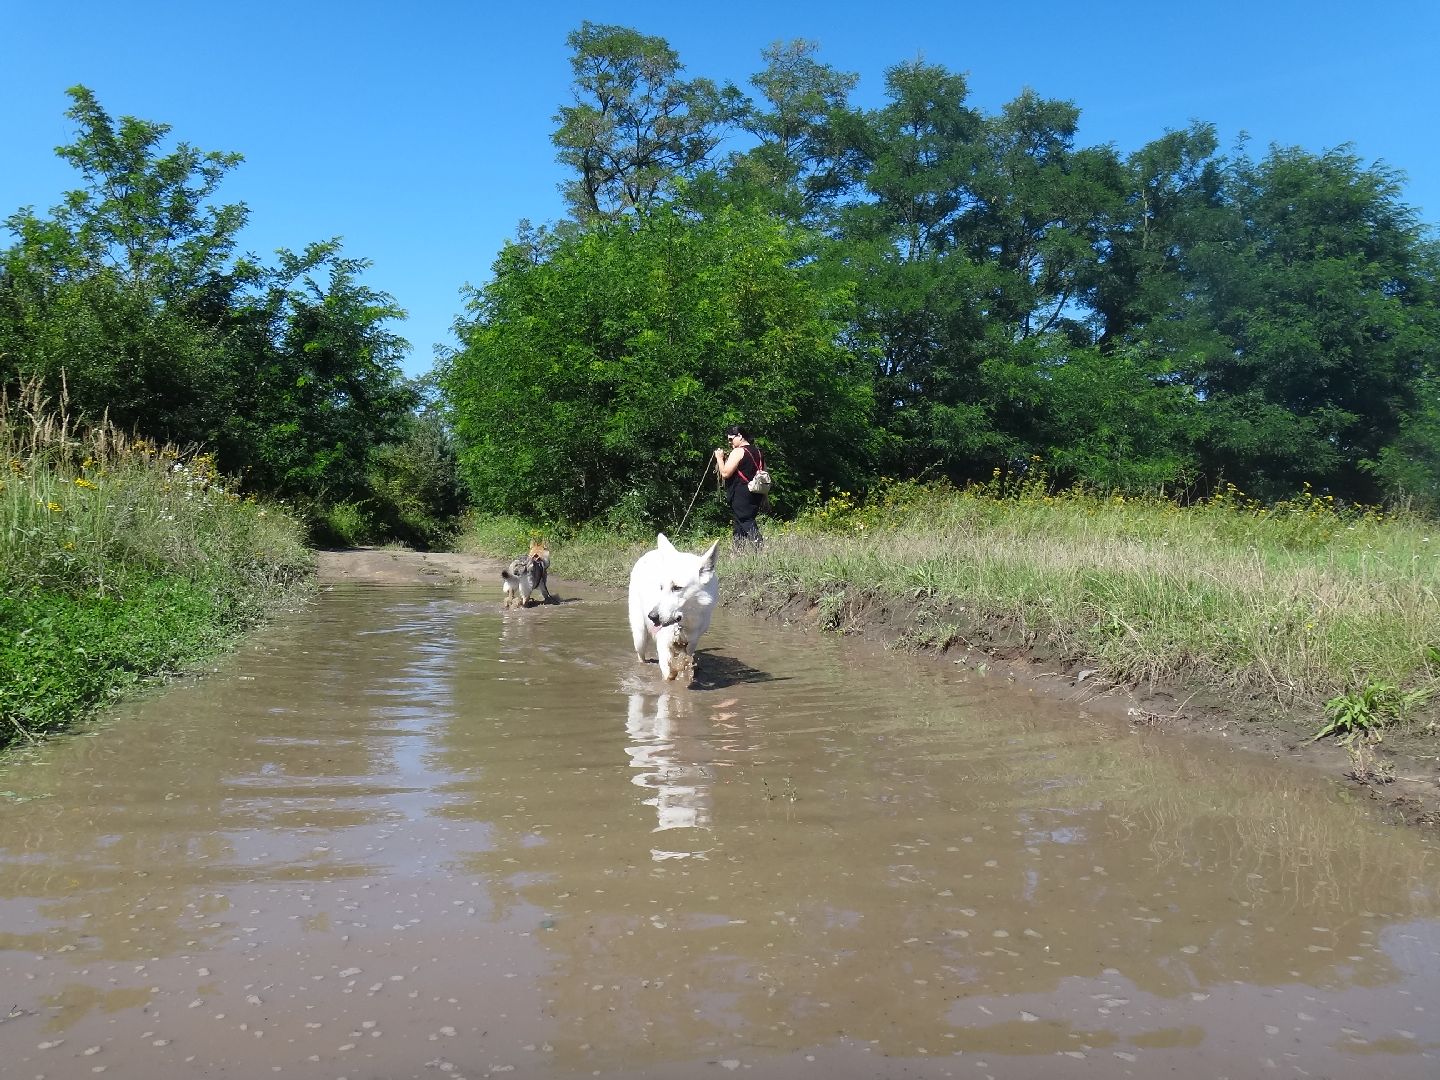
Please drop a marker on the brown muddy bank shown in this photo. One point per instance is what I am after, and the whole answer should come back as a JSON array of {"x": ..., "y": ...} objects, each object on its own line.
[{"x": 401, "y": 566}]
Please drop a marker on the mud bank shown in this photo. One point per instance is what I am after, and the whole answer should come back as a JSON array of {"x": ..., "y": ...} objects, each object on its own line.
[{"x": 400, "y": 566}]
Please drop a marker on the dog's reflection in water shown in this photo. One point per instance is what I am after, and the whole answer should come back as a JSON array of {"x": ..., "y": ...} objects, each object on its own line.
[{"x": 670, "y": 762}]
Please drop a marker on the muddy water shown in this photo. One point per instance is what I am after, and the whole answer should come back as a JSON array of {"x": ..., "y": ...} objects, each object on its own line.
[{"x": 409, "y": 835}]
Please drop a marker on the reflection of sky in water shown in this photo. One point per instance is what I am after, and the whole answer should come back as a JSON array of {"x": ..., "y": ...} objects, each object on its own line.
[
  {"x": 423, "y": 695},
  {"x": 1413, "y": 947}
]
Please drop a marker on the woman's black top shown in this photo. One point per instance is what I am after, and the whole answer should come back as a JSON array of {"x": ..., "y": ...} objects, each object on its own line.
[{"x": 743, "y": 502}]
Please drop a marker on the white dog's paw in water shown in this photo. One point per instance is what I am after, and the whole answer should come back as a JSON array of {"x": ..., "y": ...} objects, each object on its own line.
[{"x": 672, "y": 596}]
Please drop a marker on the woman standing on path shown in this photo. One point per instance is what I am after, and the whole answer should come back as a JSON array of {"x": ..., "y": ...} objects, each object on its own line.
[{"x": 737, "y": 468}]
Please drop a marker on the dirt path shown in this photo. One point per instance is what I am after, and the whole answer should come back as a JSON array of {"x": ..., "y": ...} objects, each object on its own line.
[
  {"x": 1413, "y": 796},
  {"x": 398, "y": 566}
]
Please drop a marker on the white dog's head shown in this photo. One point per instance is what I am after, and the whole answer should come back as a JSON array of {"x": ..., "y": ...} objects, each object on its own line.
[{"x": 684, "y": 587}]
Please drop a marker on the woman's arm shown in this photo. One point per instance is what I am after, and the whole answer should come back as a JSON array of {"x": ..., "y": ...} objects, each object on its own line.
[{"x": 727, "y": 465}]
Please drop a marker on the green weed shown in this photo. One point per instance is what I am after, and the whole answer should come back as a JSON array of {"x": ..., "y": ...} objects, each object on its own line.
[{"x": 1363, "y": 713}]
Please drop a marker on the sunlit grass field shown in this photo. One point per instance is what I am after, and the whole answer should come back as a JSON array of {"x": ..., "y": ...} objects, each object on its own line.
[
  {"x": 119, "y": 560},
  {"x": 1296, "y": 604}
]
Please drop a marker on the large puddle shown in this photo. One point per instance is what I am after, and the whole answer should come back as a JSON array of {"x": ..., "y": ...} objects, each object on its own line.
[{"x": 409, "y": 835}]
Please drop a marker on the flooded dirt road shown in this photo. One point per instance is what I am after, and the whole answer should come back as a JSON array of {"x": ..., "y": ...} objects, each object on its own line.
[{"x": 407, "y": 834}]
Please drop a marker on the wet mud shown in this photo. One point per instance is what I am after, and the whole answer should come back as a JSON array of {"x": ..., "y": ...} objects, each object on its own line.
[{"x": 409, "y": 834}]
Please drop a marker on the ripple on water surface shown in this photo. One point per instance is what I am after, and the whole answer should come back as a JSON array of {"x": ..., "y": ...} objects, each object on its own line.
[{"x": 410, "y": 834}]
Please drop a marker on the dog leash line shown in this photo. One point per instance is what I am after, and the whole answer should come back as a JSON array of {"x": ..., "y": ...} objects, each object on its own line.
[{"x": 708, "y": 462}]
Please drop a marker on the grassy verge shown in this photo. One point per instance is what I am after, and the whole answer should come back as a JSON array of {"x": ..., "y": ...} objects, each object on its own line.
[
  {"x": 1300, "y": 607},
  {"x": 120, "y": 561}
]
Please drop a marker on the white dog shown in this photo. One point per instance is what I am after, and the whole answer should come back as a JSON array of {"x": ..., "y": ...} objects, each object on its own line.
[{"x": 672, "y": 596}]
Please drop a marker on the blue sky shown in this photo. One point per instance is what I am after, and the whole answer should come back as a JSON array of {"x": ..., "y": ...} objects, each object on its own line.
[{"x": 420, "y": 133}]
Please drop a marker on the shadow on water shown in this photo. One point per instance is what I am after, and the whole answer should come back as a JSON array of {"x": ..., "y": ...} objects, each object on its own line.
[
  {"x": 411, "y": 834},
  {"x": 717, "y": 671}
]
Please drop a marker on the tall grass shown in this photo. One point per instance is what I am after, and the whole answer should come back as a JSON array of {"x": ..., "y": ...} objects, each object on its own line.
[
  {"x": 1295, "y": 601},
  {"x": 119, "y": 560}
]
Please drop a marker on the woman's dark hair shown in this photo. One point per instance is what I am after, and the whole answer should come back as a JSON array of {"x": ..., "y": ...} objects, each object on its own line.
[{"x": 737, "y": 429}]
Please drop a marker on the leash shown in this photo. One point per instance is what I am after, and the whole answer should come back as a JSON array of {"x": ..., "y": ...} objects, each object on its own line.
[{"x": 708, "y": 462}]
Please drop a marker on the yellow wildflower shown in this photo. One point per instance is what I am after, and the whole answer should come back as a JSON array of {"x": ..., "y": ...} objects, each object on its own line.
[{"x": 80, "y": 481}]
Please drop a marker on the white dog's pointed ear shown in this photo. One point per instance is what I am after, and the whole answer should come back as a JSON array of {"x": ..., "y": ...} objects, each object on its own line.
[
  {"x": 707, "y": 561},
  {"x": 663, "y": 542}
]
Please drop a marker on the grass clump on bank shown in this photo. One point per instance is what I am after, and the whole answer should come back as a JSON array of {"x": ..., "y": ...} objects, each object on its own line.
[
  {"x": 120, "y": 560},
  {"x": 1297, "y": 601},
  {"x": 1286, "y": 606}
]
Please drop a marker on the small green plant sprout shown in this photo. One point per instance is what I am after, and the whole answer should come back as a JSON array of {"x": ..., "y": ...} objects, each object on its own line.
[{"x": 1364, "y": 712}]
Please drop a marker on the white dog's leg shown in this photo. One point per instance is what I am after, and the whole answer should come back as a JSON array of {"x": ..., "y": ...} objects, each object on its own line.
[
  {"x": 640, "y": 635},
  {"x": 665, "y": 650}
]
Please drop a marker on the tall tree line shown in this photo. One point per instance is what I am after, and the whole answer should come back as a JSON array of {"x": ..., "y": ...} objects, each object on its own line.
[
  {"x": 130, "y": 295},
  {"x": 982, "y": 292}
]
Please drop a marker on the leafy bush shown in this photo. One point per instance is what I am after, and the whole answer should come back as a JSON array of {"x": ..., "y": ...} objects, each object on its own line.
[
  {"x": 599, "y": 367},
  {"x": 416, "y": 491},
  {"x": 119, "y": 560},
  {"x": 344, "y": 524}
]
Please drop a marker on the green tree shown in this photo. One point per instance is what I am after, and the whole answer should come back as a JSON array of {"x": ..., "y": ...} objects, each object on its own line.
[
  {"x": 129, "y": 291},
  {"x": 1408, "y": 469},
  {"x": 1167, "y": 198},
  {"x": 120, "y": 286},
  {"x": 635, "y": 126},
  {"x": 1322, "y": 309},
  {"x": 598, "y": 367},
  {"x": 920, "y": 299},
  {"x": 322, "y": 389},
  {"x": 415, "y": 479},
  {"x": 800, "y": 164}
]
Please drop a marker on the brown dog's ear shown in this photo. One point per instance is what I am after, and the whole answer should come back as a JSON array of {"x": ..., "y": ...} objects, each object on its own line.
[{"x": 707, "y": 561}]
